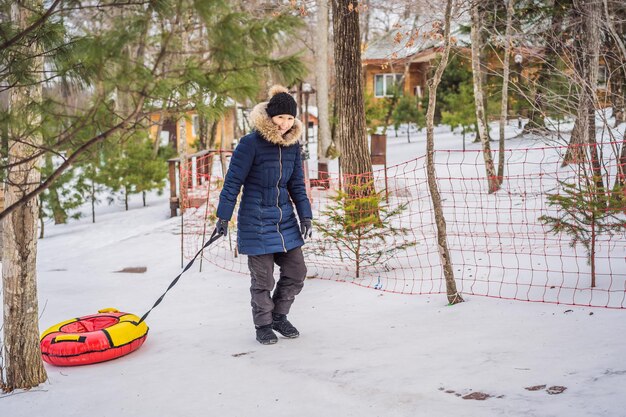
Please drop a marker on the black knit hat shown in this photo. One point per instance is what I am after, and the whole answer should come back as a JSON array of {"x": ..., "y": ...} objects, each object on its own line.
[{"x": 281, "y": 102}]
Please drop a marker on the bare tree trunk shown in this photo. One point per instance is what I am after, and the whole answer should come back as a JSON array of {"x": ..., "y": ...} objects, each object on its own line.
[
  {"x": 592, "y": 252},
  {"x": 442, "y": 238},
  {"x": 4, "y": 150},
  {"x": 181, "y": 125},
  {"x": 618, "y": 97},
  {"x": 157, "y": 140},
  {"x": 364, "y": 14},
  {"x": 616, "y": 66},
  {"x": 619, "y": 186},
  {"x": 575, "y": 153},
  {"x": 618, "y": 87},
  {"x": 41, "y": 222},
  {"x": 510, "y": 10},
  {"x": 479, "y": 101},
  {"x": 553, "y": 51},
  {"x": 484, "y": 8},
  {"x": 213, "y": 135},
  {"x": 587, "y": 56},
  {"x": 92, "y": 198},
  {"x": 123, "y": 100},
  {"x": 351, "y": 129},
  {"x": 58, "y": 213},
  {"x": 203, "y": 131},
  {"x": 592, "y": 18},
  {"x": 22, "y": 357},
  {"x": 163, "y": 115},
  {"x": 333, "y": 126},
  {"x": 321, "y": 74},
  {"x": 1, "y": 252}
]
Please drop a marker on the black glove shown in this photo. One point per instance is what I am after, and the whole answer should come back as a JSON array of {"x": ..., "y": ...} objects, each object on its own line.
[
  {"x": 221, "y": 227},
  {"x": 306, "y": 228}
]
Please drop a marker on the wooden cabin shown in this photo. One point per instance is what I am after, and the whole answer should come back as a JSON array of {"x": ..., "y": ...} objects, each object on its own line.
[
  {"x": 183, "y": 132},
  {"x": 399, "y": 55}
]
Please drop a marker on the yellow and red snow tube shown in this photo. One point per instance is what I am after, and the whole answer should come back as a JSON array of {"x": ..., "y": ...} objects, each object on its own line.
[{"x": 92, "y": 339}]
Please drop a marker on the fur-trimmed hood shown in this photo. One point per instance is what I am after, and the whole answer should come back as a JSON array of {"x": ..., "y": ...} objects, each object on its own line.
[{"x": 262, "y": 123}]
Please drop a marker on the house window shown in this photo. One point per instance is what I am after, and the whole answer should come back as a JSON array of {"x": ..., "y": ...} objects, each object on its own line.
[{"x": 384, "y": 83}]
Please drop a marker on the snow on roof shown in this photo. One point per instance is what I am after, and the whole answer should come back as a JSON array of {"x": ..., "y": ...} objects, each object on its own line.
[
  {"x": 399, "y": 43},
  {"x": 411, "y": 36}
]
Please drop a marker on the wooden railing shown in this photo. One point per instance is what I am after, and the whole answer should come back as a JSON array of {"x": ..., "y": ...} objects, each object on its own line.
[{"x": 200, "y": 170}]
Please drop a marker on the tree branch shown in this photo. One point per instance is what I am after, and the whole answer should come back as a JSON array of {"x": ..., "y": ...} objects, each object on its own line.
[
  {"x": 32, "y": 27},
  {"x": 99, "y": 138},
  {"x": 67, "y": 163}
]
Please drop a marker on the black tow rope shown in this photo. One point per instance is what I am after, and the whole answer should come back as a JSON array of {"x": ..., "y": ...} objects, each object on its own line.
[{"x": 213, "y": 238}]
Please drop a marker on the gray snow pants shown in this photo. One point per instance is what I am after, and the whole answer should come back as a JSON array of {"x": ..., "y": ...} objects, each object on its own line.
[{"x": 292, "y": 275}]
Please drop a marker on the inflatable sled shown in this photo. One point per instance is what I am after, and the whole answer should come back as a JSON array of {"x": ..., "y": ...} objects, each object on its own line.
[{"x": 91, "y": 339}]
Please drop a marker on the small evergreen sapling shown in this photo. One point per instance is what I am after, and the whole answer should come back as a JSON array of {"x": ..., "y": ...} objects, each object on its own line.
[
  {"x": 583, "y": 213},
  {"x": 408, "y": 111},
  {"x": 461, "y": 112},
  {"x": 62, "y": 199},
  {"x": 133, "y": 168},
  {"x": 361, "y": 228},
  {"x": 375, "y": 111}
]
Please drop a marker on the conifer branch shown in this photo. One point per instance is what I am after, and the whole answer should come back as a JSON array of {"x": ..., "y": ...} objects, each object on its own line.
[{"x": 32, "y": 27}]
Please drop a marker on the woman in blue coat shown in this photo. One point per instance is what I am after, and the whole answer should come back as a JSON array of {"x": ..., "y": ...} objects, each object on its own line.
[{"x": 267, "y": 163}]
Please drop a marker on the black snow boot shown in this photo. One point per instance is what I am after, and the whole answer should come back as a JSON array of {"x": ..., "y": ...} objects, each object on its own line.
[
  {"x": 265, "y": 335},
  {"x": 282, "y": 326}
]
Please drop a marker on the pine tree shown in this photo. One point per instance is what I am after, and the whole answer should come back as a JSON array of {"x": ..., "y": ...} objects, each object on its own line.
[
  {"x": 362, "y": 229},
  {"x": 124, "y": 89},
  {"x": 132, "y": 168},
  {"x": 455, "y": 92},
  {"x": 66, "y": 194},
  {"x": 460, "y": 111},
  {"x": 91, "y": 171},
  {"x": 116, "y": 62},
  {"x": 408, "y": 111},
  {"x": 584, "y": 212},
  {"x": 375, "y": 111}
]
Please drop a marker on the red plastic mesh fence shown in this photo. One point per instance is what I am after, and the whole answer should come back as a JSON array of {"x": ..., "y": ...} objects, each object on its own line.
[{"x": 498, "y": 246}]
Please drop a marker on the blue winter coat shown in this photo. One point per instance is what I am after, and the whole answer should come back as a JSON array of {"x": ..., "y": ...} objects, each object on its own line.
[{"x": 269, "y": 166}]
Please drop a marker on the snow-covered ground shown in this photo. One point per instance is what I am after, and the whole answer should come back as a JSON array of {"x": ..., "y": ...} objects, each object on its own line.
[
  {"x": 361, "y": 352},
  {"x": 497, "y": 245}
]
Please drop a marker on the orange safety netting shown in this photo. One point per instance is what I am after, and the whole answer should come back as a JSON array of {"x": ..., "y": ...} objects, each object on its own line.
[{"x": 498, "y": 246}]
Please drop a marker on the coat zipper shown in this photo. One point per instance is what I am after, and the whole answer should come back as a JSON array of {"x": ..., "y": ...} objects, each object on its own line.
[{"x": 280, "y": 176}]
